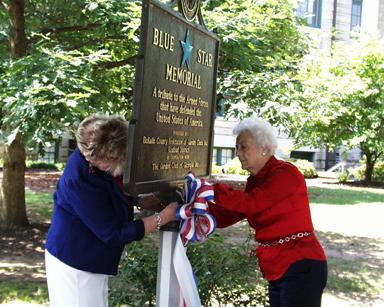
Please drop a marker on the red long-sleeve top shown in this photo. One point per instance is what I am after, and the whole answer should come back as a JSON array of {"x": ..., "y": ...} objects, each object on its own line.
[{"x": 275, "y": 203}]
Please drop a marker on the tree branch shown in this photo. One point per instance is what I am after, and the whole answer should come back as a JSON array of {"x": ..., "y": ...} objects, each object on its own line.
[
  {"x": 71, "y": 29},
  {"x": 110, "y": 65},
  {"x": 4, "y": 5},
  {"x": 95, "y": 41}
]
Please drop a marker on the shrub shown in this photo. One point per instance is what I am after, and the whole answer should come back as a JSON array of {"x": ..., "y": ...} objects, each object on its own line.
[
  {"x": 1, "y": 163},
  {"x": 234, "y": 167},
  {"x": 378, "y": 172},
  {"x": 216, "y": 169},
  {"x": 358, "y": 173},
  {"x": 40, "y": 165},
  {"x": 343, "y": 177},
  {"x": 135, "y": 285},
  {"x": 226, "y": 273},
  {"x": 60, "y": 166},
  {"x": 305, "y": 167},
  {"x": 226, "y": 276}
]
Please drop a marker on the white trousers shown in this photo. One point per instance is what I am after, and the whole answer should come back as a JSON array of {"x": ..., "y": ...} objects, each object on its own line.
[{"x": 69, "y": 287}]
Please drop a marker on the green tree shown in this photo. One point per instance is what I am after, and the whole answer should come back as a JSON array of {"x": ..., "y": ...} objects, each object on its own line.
[
  {"x": 343, "y": 99},
  {"x": 62, "y": 60},
  {"x": 261, "y": 46},
  {"x": 59, "y": 62}
]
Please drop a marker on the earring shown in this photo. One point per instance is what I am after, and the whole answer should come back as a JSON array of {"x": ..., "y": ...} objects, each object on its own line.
[{"x": 263, "y": 153}]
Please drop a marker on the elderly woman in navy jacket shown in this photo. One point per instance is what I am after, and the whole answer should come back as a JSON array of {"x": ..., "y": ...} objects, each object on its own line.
[{"x": 92, "y": 218}]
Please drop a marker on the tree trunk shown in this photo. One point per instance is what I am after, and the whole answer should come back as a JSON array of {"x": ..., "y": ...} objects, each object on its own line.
[
  {"x": 18, "y": 40},
  {"x": 369, "y": 165},
  {"x": 12, "y": 194},
  {"x": 326, "y": 165}
]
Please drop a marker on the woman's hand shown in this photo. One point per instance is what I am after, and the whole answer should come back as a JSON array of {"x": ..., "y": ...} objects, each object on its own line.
[
  {"x": 168, "y": 214},
  {"x": 149, "y": 202}
]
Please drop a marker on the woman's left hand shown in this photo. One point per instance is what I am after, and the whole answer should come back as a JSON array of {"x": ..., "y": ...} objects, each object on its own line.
[{"x": 168, "y": 214}]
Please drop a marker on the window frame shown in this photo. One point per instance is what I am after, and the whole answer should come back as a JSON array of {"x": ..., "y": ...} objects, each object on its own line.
[
  {"x": 219, "y": 155},
  {"x": 313, "y": 16},
  {"x": 359, "y": 5}
]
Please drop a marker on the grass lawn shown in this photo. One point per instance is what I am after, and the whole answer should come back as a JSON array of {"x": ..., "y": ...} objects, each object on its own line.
[
  {"x": 356, "y": 262},
  {"x": 22, "y": 291},
  {"x": 349, "y": 225},
  {"x": 344, "y": 196},
  {"x": 39, "y": 206}
]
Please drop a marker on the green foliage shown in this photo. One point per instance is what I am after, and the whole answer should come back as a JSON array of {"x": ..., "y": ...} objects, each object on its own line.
[
  {"x": 135, "y": 285},
  {"x": 234, "y": 167},
  {"x": 40, "y": 165},
  {"x": 24, "y": 291},
  {"x": 378, "y": 172},
  {"x": 343, "y": 177},
  {"x": 226, "y": 276},
  {"x": 377, "y": 176},
  {"x": 305, "y": 167},
  {"x": 76, "y": 65},
  {"x": 79, "y": 55},
  {"x": 343, "y": 98},
  {"x": 356, "y": 173},
  {"x": 44, "y": 93},
  {"x": 261, "y": 45},
  {"x": 227, "y": 273},
  {"x": 60, "y": 166},
  {"x": 216, "y": 169}
]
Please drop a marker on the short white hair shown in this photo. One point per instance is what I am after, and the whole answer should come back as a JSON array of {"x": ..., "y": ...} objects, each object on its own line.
[{"x": 261, "y": 130}]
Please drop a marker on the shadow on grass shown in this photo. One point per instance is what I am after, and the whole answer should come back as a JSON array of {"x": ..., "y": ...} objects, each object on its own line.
[
  {"x": 355, "y": 266},
  {"x": 340, "y": 196}
]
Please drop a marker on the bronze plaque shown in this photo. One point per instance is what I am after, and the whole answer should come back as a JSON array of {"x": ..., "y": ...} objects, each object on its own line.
[{"x": 172, "y": 126}]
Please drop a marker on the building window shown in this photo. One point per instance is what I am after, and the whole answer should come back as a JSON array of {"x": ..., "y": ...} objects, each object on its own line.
[
  {"x": 222, "y": 155},
  {"x": 51, "y": 154},
  {"x": 303, "y": 155},
  {"x": 310, "y": 10},
  {"x": 220, "y": 107},
  {"x": 214, "y": 156},
  {"x": 356, "y": 13},
  {"x": 227, "y": 154}
]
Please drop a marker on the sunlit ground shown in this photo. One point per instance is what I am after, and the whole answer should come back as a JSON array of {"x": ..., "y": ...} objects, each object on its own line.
[{"x": 349, "y": 224}]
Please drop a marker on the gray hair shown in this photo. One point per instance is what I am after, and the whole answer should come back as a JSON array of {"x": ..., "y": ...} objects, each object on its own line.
[
  {"x": 261, "y": 130},
  {"x": 104, "y": 138}
]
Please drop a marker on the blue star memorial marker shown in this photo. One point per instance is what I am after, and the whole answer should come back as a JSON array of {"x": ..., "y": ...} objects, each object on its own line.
[{"x": 187, "y": 49}]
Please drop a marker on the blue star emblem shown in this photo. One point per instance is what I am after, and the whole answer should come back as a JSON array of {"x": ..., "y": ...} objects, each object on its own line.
[{"x": 187, "y": 49}]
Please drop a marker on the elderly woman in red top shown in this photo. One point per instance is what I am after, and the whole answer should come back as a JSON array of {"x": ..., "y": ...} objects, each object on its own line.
[{"x": 275, "y": 203}]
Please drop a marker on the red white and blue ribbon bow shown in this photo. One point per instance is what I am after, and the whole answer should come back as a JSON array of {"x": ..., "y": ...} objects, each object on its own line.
[{"x": 196, "y": 223}]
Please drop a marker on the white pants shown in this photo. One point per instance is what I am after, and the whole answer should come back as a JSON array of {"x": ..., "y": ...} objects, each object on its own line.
[{"x": 69, "y": 287}]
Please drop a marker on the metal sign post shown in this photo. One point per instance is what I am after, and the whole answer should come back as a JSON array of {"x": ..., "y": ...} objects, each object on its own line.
[{"x": 171, "y": 130}]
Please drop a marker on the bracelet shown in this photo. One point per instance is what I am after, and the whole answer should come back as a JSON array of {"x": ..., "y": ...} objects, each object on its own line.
[{"x": 158, "y": 220}]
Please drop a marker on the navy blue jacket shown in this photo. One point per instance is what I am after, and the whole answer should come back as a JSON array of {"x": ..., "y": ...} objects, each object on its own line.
[{"x": 91, "y": 220}]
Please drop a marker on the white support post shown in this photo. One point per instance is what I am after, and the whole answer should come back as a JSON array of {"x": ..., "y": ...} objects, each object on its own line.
[{"x": 167, "y": 289}]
